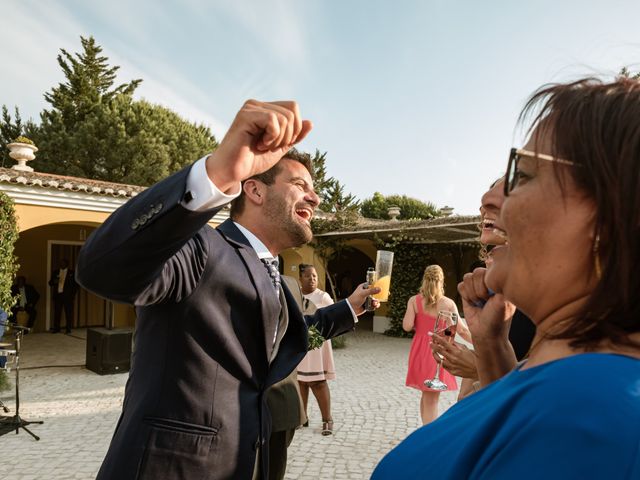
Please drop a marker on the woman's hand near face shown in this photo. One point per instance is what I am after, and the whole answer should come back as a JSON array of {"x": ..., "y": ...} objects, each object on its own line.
[
  {"x": 488, "y": 316},
  {"x": 489, "y": 320},
  {"x": 456, "y": 358}
]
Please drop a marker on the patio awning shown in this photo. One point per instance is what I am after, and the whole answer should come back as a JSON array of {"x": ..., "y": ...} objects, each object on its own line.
[{"x": 453, "y": 229}]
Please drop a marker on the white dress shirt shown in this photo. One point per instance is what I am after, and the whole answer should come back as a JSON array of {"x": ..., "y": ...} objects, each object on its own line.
[
  {"x": 23, "y": 297},
  {"x": 62, "y": 276}
]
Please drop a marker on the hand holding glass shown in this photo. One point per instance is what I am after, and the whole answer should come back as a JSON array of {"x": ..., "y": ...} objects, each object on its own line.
[{"x": 446, "y": 324}]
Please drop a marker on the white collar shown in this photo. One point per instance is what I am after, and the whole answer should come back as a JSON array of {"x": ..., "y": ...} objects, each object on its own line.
[{"x": 261, "y": 250}]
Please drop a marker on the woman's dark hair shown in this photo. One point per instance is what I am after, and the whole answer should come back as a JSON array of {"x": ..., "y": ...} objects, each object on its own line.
[
  {"x": 303, "y": 266},
  {"x": 597, "y": 126}
]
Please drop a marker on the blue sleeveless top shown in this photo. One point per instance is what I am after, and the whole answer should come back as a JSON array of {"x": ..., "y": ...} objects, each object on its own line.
[{"x": 574, "y": 418}]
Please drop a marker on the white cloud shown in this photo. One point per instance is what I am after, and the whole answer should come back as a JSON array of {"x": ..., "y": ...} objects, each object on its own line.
[
  {"x": 30, "y": 68},
  {"x": 274, "y": 23},
  {"x": 168, "y": 93},
  {"x": 28, "y": 65},
  {"x": 164, "y": 95}
]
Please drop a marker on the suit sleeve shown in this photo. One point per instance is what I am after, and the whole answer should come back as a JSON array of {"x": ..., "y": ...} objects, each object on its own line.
[
  {"x": 332, "y": 320},
  {"x": 150, "y": 249}
]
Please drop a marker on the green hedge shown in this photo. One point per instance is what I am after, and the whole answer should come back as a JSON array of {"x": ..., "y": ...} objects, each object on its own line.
[{"x": 8, "y": 264}]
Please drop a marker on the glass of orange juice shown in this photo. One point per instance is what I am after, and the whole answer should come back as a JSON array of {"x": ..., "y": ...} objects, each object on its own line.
[{"x": 384, "y": 264}]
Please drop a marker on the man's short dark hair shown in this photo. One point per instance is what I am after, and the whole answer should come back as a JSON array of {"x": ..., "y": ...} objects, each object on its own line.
[{"x": 269, "y": 177}]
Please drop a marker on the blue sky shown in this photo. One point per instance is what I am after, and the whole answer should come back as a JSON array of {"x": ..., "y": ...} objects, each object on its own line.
[{"x": 411, "y": 97}]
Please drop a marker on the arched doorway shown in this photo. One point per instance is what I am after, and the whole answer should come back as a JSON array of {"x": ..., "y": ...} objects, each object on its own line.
[{"x": 40, "y": 251}]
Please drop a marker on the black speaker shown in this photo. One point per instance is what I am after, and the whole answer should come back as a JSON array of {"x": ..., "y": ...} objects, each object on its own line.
[{"x": 109, "y": 351}]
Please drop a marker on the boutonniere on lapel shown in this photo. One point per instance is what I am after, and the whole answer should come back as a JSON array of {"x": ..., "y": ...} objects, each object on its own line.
[{"x": 315, "y": 339}]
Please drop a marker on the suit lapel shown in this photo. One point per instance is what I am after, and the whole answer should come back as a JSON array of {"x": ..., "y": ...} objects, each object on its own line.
[
  {"x": 269, "y": 302},
  {"x": 292, "y": 347}
]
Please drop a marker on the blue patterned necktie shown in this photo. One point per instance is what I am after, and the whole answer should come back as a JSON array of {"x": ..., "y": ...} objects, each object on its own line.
[{"x": 271, "y": 264}]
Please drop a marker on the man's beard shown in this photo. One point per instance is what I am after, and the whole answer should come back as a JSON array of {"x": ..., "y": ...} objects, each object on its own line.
[{"x": 278, "y": 212}]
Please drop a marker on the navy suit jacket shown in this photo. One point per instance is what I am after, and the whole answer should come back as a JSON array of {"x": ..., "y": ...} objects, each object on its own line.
[
  {"x": 69, "y": 288},
  {"x": 31, "y": 294},
  {"x": 195, "y": 403}
]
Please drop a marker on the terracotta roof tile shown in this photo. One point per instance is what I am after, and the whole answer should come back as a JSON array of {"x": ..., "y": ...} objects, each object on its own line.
[{"x": 74, "y": 184}]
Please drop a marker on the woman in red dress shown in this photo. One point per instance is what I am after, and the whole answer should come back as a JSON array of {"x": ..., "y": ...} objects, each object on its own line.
[{"x": 422, "y": 310}]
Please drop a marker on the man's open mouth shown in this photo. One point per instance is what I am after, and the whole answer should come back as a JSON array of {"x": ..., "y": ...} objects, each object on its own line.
[
  {"x": 487, "y": 224},
  {"x": 305, "y": 213}
]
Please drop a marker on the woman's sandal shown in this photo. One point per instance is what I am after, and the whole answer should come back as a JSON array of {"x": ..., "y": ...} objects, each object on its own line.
[{"x": 327, "y": 428}]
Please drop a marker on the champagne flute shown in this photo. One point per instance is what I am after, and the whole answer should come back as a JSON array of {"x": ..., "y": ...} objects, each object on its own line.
[
  {"x": 446, "y": 324},
  {"x": 384, "y": 265}
]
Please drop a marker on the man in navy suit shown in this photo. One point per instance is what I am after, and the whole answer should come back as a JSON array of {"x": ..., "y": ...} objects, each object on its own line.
[
  {"x": 27, "y": 296},
  {"x": 64, "y": 286},
  {"x": 216, "y": 327}
]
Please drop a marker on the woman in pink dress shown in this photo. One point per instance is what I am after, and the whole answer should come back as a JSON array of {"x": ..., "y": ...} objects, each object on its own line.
[
  {"x": 422, "y": 310},
  {"x": 317, "y": 366}
]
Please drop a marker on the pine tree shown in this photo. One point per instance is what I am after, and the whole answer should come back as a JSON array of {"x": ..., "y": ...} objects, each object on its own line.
[
  {"x": 331, "y": 191},
  {"x": 97, "y": 130},
  {"x": 625, "y": 72},
  {"x": 89, "y": 82}
]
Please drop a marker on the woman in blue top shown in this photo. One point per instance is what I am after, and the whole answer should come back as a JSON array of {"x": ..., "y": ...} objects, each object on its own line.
[{"x": 571, "y": 263}]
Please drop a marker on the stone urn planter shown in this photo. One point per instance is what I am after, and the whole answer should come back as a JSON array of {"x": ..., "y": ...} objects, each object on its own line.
[
  {"x": 393, "y": 212},
  {"x": 22, "y": 153},
  {"x": 446, "y": 211}
]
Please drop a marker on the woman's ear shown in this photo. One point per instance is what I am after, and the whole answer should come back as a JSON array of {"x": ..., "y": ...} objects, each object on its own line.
[{"x": 253, "y": 191}]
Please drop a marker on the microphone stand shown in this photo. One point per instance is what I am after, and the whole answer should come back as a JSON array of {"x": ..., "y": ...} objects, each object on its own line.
[{"x": 15, "y": 422}]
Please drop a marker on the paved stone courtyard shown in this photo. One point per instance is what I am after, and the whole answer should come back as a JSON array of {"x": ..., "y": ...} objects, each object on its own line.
[{"x": 372, "y": 411}]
